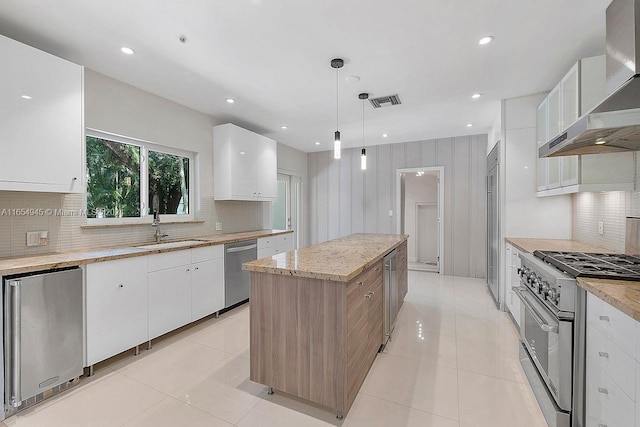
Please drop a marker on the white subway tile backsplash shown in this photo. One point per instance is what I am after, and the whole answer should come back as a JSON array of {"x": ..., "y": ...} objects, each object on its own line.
[{"x": 66, "y": 232}]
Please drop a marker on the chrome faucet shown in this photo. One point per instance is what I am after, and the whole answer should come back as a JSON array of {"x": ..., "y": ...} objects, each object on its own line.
[{"x": 156, "y": 223}]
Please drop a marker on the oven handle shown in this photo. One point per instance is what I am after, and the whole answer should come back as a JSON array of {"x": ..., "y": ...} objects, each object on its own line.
[{"x": 534, "y": 313}]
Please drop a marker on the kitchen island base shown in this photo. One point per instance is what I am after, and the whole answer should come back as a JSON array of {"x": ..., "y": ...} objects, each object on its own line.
[{"x": 316, "y": 339}]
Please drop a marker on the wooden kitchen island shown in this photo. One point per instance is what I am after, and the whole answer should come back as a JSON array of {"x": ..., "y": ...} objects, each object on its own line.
[{"x": 317, "y": 316}]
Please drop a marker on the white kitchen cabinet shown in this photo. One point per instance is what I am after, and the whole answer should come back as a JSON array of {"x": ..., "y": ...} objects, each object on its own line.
[
  {"x": 513, "y": 281},
  {"x": 42, "y": 126},
  {"x": 577, "y": 93},
  {"x": 273, "y": 245},
  {"x": 116, "y": 307},
  {"x": 207, "y": 281},
  {"x": 613, "y": 366},
  {"x": 244, "y": 165},
  {"x": 169, "y": 299}
]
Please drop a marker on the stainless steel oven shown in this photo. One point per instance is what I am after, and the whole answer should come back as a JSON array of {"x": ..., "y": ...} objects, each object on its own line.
[{"x": 549, "y": 341}]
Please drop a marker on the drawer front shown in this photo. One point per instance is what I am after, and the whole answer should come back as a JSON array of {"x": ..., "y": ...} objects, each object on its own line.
[
  {"x": 168, "y": 260},
  {"x": 366, "y": 279},
  {"x": 613, "y": 323},
  {"x": 266, "y": 242},
  {"x": 284, "y": 243},
  {"x": 610, "y": 358},
  {"x": 207, "y": 253},
  {"x": 607, "y": 404},
  {"x": 266, "y": 252}
]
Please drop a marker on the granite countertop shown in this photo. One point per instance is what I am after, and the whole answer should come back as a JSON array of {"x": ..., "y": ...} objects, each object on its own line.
[
  {"x": 19, "y": 265},
  {"x": 622, "y": 294},
  {"x": 530, "y": 245},
  {"x": 339, "y": 260}
]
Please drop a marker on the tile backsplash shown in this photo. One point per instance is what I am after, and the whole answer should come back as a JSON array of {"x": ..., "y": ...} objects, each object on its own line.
[{"x": 24, "y": 211}]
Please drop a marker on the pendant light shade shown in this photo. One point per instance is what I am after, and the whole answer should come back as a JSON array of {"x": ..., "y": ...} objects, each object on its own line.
[
  {"x": 363, "y": 156},
  {"x": 337, "y": 63}
]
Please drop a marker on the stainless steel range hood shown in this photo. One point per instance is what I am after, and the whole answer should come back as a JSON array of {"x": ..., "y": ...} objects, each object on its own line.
[{"x": 614, "y": 124}]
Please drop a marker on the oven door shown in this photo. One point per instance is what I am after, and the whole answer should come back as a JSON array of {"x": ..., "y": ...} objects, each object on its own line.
[{"x": 549, "y": 341}]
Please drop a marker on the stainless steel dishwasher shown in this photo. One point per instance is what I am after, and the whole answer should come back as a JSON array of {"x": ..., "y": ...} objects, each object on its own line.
[
  {"x": 42, "y": 335},
  {"x": 237, "y": 282}
]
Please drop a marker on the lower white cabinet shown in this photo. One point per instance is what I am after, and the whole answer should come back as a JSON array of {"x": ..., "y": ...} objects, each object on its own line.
[
  {"x": 513, "y": 281},
  {"x": 273, "y": 245},
  {"x": 169, "y": 299},
  {"x": 116, "y": 307},
  {"x": 613, "y": 367},
  {"x": 207, "y": 281}
]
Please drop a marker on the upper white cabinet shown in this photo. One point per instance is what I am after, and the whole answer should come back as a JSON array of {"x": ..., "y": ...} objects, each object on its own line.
[
  {"x": 41, "y": 131},
  {"x": 577, "y": 93},
  {"x": 244, "y": 165}
]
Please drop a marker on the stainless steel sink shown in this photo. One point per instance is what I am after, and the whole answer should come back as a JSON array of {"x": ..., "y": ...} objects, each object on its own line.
[{"x": 169, "y": 245}]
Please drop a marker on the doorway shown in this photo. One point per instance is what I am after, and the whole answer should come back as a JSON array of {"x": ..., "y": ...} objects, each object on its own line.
[
  {"x": 420, "y": 206},
  {"x": 286, "y": 210}
]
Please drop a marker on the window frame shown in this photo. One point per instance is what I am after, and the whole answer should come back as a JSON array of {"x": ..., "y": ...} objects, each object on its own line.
[{"x": 145, "y": 147}]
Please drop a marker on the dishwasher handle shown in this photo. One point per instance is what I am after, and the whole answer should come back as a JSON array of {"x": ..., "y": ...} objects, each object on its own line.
[
  {"x": 14, "y": 287},
  {"x": 241, "y": 248}
]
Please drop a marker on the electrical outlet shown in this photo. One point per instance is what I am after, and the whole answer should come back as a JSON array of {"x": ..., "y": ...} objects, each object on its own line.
[
  {"x": 390, "y": 212},
  {"x": 600, "y": 227},
  {"x": 218, "y": 226},
  {"x": 37, "y": 238}
]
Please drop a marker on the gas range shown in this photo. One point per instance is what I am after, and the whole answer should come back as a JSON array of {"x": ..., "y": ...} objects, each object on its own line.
[{"x": 593, "y": 265}]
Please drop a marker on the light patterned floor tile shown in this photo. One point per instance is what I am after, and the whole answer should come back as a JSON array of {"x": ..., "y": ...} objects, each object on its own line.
[{"x": 171, "y": 413}]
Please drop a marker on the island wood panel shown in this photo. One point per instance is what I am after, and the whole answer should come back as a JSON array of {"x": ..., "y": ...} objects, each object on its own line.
[
  {"x": 315, "y": 339},
  {"x": 297, "y": 336}
]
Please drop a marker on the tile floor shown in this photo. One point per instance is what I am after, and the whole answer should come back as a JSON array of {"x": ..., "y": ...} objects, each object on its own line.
[{"x": 453, "y": 361}]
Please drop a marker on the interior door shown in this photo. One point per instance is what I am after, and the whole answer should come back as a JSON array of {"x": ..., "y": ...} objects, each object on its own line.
[
  {"x": 427, "y": 228},
  {"x": 286, "y": 209},
  {"x": 492, "y": 232}
]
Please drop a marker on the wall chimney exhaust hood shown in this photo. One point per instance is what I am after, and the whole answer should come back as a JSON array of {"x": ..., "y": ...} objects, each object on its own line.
[{"x": 614, "y": 124}]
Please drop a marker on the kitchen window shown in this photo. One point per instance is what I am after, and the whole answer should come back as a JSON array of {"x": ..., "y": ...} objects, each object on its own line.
[{"x": 129, "y": 179}]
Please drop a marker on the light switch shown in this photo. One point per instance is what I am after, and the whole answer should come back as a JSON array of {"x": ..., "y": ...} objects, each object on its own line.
[
  {"x": 390, "y": 212},
  {"x": 37, "y": 238},
  {"x": 600, "y": 227}
]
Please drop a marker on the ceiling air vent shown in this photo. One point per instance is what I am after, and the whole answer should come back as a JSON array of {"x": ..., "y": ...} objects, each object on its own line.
[{"x": 385, "y": 101}]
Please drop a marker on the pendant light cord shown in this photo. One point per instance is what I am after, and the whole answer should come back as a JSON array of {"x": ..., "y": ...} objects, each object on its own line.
[
  {"x": 363, "y": 123},
  {"x": 337, "y": 103}
]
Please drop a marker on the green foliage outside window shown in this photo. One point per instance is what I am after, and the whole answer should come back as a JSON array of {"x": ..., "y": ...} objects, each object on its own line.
[
  {"x": 168, "y": 183},
  {"x": 113, "y": 179}
]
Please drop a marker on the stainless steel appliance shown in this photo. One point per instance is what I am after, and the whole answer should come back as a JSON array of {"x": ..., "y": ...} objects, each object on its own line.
[
  {"x": 553, "y": 324},
  {"x": 493, "y": 223},
  {"x": 237, "y": 282},
  {"x": 614, "y": 124},
  {"x": 390, "y": 286},
  {"x": 43, "y": 338}
]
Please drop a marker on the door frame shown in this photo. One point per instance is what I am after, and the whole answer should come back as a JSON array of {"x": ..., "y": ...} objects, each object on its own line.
[
  {"x": 417, "y": 207},
  {"x": 399, "y": 210},
  {"x": 299, "y": 233}
]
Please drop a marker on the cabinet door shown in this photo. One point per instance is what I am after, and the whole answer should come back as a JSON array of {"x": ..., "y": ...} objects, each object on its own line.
[
  {"x": 541, "y": 137},
  {"x": 207, "y": 288},
  {"x": 116, "y": 307},
  {"x": 357, "y": 337},
  {"x": 554, "y": 119},
  {"x": 375, "y": 320},
  {"x": 403, "y": 277},
  {"x": 244, "y": 161},
  {"x": 570, "y": 102},
  {"x": 267, "y": 170},
  {"x": 42, "y": 135},
  {"x": 169, "y": 299}
]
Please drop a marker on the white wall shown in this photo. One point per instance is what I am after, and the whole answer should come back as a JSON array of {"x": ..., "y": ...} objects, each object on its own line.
[
  {"x": 346, "y": 200},
  {"x": 417, "y": 189}
]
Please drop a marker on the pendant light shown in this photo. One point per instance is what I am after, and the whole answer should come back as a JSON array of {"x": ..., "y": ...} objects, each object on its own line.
[
  {"x": 363, "y": 157},
  {"x": 336, "y": 63}
]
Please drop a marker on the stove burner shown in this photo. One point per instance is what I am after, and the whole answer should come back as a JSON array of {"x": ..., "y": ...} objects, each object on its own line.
[{"x": 594, "y": 265}]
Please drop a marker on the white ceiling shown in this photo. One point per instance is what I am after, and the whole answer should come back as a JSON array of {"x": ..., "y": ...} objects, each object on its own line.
[{"x": 273, "y": 57}]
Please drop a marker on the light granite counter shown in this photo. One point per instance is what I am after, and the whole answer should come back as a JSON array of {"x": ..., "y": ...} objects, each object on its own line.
[
  {"x": 339, "y": 260},
  {"x": 563, "y": 245},
  {"x": 622, "y": 294},
  {"x": 9, "y": 266}
]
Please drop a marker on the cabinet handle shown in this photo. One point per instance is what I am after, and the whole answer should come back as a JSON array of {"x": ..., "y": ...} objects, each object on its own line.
[
  {"x": 121, "y": 285},
  {"x": 603, "y": 390},
  {"x": 197, "y": 268},
  {"x": 603, "y": 354},
  {"x": 372, "y": 293},
  {"x": 188, "y": 269},
  {"x": 367, "y": 296},
  {"x": 360, "y": 283},
  {"x": 604, "y": 318}
]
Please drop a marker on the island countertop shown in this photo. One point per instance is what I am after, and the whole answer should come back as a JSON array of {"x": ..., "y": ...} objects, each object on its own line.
[{"x": 339, "y": 260}]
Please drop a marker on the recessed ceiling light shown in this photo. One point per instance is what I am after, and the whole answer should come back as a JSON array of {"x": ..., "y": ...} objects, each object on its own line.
[
  {"x": 317, "y": 143},
  {"x": 242, "y": 152},
  {"x": 485, "y": 40},
  {"x": 127, "y": 50},
  {"x": 384, "y": 135},
  {"x": 25, "y": 97},
  {"x": 285, "y": 127},
  {"x": 476, "y": 95},
  {"x": 469, "y": 125},
  {"x": 230, "y": 100},
  {"x": 601, "y": 142}
]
